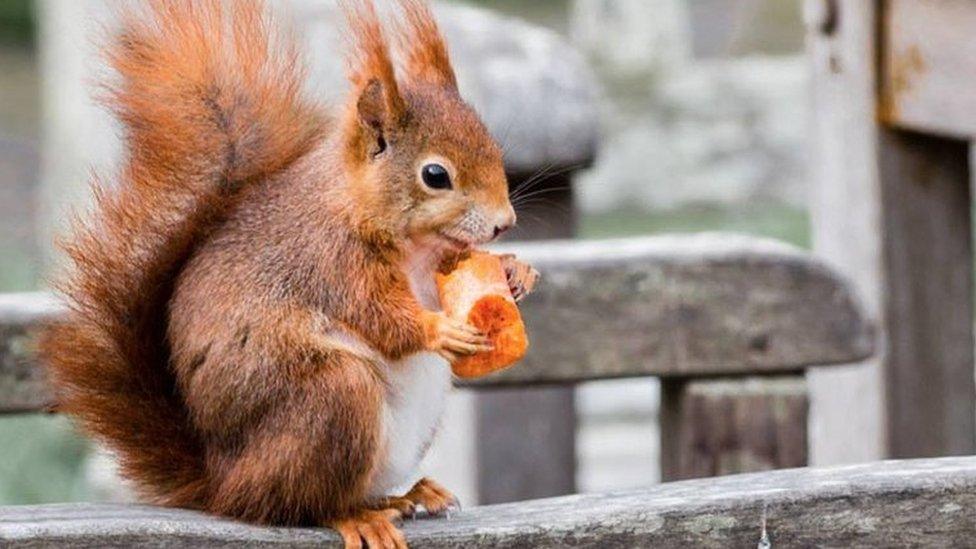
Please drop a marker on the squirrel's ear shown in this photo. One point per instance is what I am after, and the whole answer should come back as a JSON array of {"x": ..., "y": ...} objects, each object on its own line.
[
  {"x": 371, "y": 107},
  {"x": 379, "y": 103},
  {"x": 423, "y": 46}
]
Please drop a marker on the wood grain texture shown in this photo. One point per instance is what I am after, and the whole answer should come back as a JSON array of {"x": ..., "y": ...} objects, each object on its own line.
[
  {"x": 708, "y": 304},
  {"x": 726, "y": 426},
  {"x": 928, "y": 286},
  {"x": 929, "y": 66},
  {"x": 526, "y": 443},
  {"x": 888, "y": 504}
]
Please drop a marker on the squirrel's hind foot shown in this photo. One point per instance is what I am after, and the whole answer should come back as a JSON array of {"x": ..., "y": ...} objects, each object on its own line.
[
  {"x": 433, "y": 497},
  {"x": 375, "y": 527}
]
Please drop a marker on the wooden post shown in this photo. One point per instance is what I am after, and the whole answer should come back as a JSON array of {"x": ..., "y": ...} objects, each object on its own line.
[
  {"x": 526, "y": 437},
  {"x": 892, "y": 210},
  {"x": 734, "y": 425},
  {"x": 928, "y": 314}
]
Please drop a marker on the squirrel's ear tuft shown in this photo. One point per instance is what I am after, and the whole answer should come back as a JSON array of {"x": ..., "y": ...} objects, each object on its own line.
[
  {"x": 423, "y": 46},
  {"x": 370, "y": 68}
]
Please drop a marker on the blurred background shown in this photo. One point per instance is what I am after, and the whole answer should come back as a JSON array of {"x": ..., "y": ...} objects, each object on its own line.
[{"x": 702, "y": 113}]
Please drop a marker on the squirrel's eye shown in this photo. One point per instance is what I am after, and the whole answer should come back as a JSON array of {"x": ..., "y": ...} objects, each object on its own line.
[{"x": 435, "y": 176}]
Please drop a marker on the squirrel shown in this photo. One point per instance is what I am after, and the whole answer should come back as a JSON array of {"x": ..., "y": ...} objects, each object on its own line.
[{"x": 253, "y": 324}]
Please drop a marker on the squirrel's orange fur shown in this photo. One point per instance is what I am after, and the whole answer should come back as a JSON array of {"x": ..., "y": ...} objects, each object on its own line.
[{"x": 221, "y": 285}]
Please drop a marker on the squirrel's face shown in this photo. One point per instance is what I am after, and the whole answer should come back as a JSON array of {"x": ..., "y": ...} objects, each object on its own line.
[
  {"x": 458, "y": 190},
  {"x": 424, "y": 164},
  {"x": 439, "y": 170}
]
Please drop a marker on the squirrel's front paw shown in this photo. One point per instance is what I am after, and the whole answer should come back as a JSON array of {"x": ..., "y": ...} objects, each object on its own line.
[
  {"x": 451, "y": 338},
  {"x": 522, "y": 277}
]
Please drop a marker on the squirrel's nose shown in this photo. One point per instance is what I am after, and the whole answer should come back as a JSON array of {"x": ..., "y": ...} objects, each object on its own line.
[{"x": 504, "y": 222}]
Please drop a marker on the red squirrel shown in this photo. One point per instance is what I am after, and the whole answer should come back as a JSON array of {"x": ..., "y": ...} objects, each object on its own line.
[{"x": 254, "y": 328}]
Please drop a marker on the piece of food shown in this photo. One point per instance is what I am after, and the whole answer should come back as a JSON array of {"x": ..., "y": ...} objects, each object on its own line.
[{"x": 477, "y": 291}]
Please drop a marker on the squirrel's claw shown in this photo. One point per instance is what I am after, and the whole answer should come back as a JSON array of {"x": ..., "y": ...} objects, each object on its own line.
[
  {"x": 521, "y": 276},
  {"x": 433, "y": 497}
]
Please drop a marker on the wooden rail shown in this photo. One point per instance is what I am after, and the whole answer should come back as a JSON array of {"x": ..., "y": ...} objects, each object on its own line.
[
  {"x": 926, "y": 503},
  {"x": 673, "y": 306}
]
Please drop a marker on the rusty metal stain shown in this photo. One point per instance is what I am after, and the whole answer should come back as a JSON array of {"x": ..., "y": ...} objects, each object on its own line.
[{"x": 901, "y": 69}]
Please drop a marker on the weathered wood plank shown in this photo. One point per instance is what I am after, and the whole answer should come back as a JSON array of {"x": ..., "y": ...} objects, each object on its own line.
[
  {"x": 690, "y": 305},
  {"x": 713, "y": 427},
  {"x": 708, "y": 304},
  {"x": 889, "y": 504},
  {"x": 929, "y": 66},
  {"x": 22, "y": 384},
  {"x": 928, "y": 287},
  {"x": 847, "y": 404}
]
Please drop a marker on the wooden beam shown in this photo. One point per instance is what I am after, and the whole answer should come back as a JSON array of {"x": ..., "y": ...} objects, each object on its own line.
[
  {"x": 527, "y": 443},
  {"x": 847, "y": 404},
  {"x": 666, "y": 306},
  {"x": 926, "y": 503},
  {"x": 929, "y": 66}
]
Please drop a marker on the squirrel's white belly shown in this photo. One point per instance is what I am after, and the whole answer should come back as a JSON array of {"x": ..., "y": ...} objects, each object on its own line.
[
  {"x": 418, "y": 386},
  {"x": 415, "y": 401}
]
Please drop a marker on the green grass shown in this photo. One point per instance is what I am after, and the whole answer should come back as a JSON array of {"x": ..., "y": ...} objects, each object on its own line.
[{"x": 775, "y": 221}]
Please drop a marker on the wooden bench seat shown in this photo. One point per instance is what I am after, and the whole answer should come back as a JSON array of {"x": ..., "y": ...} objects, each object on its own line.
[{"x": 927, "y": 502}]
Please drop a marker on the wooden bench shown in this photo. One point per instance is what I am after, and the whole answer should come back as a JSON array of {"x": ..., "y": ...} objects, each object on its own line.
[{"x": 730, "y": 322}]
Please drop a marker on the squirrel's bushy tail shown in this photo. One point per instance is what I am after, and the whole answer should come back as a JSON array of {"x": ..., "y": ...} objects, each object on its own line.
[{"x": 209, "y": 100}]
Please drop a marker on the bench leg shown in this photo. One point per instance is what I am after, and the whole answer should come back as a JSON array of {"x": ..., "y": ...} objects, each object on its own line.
[
  {"x": 526, "y": 444},
  {"x": 726, "y": 426}
]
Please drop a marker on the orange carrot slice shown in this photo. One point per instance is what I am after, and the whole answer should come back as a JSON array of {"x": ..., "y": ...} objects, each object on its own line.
[{"x": 477, "y": 291}]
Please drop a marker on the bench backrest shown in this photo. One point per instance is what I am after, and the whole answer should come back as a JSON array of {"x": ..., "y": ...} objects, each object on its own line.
[{"x": 673, "y": 306}]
